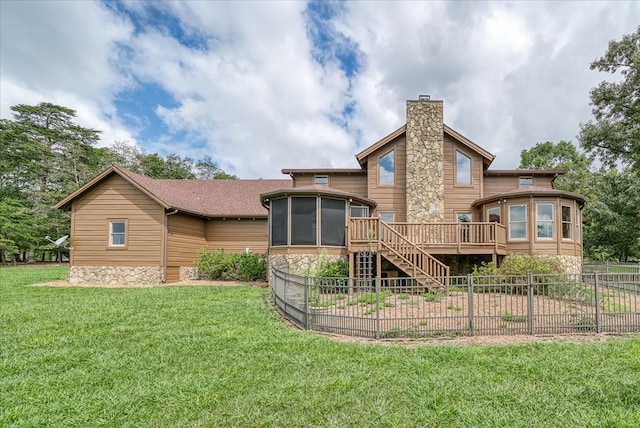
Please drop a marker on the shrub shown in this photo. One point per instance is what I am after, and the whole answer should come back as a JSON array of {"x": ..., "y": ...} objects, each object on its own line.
[
  {"x": 220, "y": 265},
  {"x": 511, "y": 276},
  {"x": 333, "y": 275}
]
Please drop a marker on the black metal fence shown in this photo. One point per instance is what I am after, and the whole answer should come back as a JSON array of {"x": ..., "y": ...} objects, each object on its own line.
[
  {"x": 591, "y": 266},
  {"x": 473, "y": 305}
]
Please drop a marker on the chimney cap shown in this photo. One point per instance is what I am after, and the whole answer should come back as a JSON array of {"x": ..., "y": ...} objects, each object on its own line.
[{"x": 424, "y": 97}]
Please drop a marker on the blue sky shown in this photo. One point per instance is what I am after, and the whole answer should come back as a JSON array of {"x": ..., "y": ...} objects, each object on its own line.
[{"x": 261, "y": 86}]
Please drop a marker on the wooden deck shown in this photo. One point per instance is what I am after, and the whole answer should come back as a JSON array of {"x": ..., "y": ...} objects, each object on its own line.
[{"x": 368, "y": 234}]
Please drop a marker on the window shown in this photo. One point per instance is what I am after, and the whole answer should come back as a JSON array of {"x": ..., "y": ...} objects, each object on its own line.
[
  {"x": 332, "y": 222},
  {"x": 321, "y": 180},
  {"x": 279, "y": 221},
  {"x": 463, "y": 169},
  {"x": 358, "y": 210},
  {"x": 544, "y": 221},
  {"x": 525, "y": 182},
  {"x": 517, "y": 222},
  {"x": 465, "y": 230},
  {"x": 493, "y": 215},
  {"x": 387, "y": 217},
  {"x": 117, "y": 233},
  {"x": 303, "y": 221},
  {"x": 387, "y": 168},
  {"x": 567, "y": 224}
]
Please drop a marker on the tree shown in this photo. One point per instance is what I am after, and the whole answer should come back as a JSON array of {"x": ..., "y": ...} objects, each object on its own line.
[
  {"x": 45, "y": 156},
  {"x": 207, "y": 169},
  {"x": 614, "y": 136},
  {"x": 612, "y": 228},
  {"x": 564, "y": 156}
]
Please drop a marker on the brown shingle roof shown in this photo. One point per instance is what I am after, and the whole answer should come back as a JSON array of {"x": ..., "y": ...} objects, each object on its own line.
[
  {"x": 206, "y": 198},
  {"x": 530, "y": 191}
]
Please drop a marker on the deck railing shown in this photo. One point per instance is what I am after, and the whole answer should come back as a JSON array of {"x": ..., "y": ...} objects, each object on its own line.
[{"x": 366, "y": 231}]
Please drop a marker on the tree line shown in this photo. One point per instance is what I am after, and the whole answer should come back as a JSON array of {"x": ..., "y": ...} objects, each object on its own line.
[
  {"x": 44, "y": 156},
  {"x": 608, "y": 172}
]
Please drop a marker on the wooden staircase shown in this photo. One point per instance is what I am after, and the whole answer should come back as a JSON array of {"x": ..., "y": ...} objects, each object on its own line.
[{"x": 411, "y": 259}]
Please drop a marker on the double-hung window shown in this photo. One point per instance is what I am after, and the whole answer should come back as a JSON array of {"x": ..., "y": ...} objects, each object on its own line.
[
  {"x": 117, "y": 233},
  {"x": 544, "y": 221},
  {"x": 517, "y": 222},
  {"x": 567, "y": 223}
]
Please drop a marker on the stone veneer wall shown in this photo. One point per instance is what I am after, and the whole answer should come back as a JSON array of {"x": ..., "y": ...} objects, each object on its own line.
[
  {"x": 188, "y": 273},
  {"x": 425, "y": 161},
  {"x": 116, "y": 275},
  {"x": 572, "y": 264},
  {"x": 300, "y": 264}
]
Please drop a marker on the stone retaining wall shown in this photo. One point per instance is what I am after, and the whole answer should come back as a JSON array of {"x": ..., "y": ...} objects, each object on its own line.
[
  {"x": 572, "y": 264},
  {"x": 116, "y": 275},
  {"x": 300, "y": 264}
]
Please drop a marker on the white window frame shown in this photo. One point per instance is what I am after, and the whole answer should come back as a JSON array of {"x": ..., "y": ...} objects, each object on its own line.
[
  {"x": 112, "y": 234},
  {"x": 526, "y": 227},
  {"x": 551, "y": 222},
  {"x": 570, "y": 222},
  {"x": 457, "y": 171}
]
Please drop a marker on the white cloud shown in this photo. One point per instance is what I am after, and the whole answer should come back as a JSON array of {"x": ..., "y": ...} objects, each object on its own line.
[{"x": 250, "y": 93}]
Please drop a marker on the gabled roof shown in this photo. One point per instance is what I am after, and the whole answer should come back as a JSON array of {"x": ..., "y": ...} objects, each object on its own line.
[
  {"x": 488, "y": 157},
  {"x": 204, "y": 198}
]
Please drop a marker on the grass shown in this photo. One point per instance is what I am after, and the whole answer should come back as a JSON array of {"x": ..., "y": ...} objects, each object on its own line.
[
  {"x": 220, "y": 356},
  {"x": 509, "y": 317}
]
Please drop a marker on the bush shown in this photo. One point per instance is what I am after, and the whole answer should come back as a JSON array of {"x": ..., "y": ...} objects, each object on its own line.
[
  {"x": 219, "y": 265},
  {"x": 334, "y": 275},
  {"x": 511, "y": 276}
]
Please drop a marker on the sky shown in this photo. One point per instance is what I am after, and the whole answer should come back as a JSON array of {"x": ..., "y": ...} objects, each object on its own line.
[{"x": 266, "y": 85}]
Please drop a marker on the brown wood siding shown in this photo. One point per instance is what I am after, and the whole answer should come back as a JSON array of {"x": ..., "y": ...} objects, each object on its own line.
[
  {"x": 390, "y": 198},
  {"x": 118, "y": 200},
  {"x": 497, "y": 184},
  {"x": 459, "y": 198},
  {"x": 353, "y": 183},
  {"x": 173, "y": 274},
  {"x": 185, "y": 237},
  {"x": 236, "y": 236}
]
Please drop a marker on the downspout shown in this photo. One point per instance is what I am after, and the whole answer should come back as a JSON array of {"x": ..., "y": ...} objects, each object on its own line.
[{"x": 166, "y": 244}]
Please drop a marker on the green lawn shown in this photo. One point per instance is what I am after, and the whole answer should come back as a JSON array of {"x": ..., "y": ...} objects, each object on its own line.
[{"x": 219, "y": 356}]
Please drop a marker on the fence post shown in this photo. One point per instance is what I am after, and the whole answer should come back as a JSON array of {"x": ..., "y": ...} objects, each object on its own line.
[
  {"x": 597, "y": 297},
  {"x": 377, "y": 307},
  {"x": 470, "y": 303},
  {"x": 530, "y": 324},
  {"x": 306, "y": 302}
]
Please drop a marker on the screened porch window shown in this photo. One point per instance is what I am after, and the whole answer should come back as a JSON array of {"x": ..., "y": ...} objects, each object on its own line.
[
  {"x": 117, "y": 233},
  {"x": 332, "y": 221},
  {"x": 279, "y": 221},
  {"x": 303, "y": 221}
]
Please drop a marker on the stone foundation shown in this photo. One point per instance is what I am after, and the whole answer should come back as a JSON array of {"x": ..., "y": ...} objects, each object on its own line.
[
  {"x": 572, "y": 264},
  {"x": 188, "y": 273},
  {"x": 300, "y": 264},
  {"x": 116, "y": 275}
]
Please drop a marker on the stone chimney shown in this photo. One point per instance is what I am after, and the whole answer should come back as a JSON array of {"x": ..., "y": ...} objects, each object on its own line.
[{"x": 425, "y": 160}]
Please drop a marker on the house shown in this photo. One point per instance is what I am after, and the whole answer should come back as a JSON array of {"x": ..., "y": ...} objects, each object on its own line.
[
  {"x": 128, "y": 228},
  {"x": 423, "y": 201}
]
